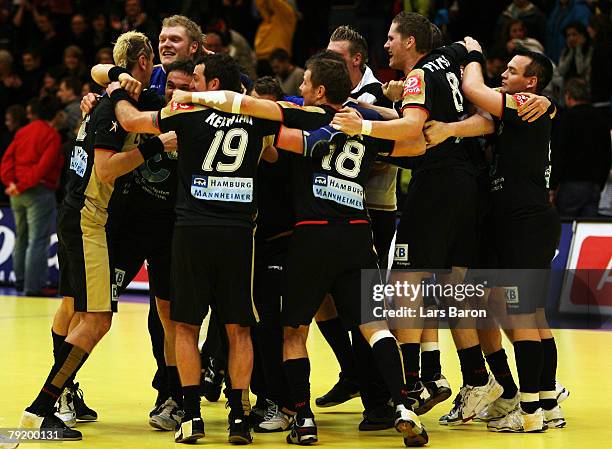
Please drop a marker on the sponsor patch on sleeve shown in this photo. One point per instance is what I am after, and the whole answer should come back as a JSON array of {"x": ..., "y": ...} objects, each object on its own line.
[
  {"x": 413, "y": 85},
  {"x": 520, "y": 99}
]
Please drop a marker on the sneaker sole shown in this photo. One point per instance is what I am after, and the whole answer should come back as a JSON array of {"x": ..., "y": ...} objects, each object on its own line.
[
  {"x": 411, "y": 438},
  {"x": 509, "y": 430},
  {"x": 428, "y": 405},
  {"x": 87, "y": 418},
  {"x": 191, "y": 439},
  {"x": 259, "y": 429},
  {"x": 374, "y": 427},
  {"x": 333, "y": 404},
  {"x": 556, "y": 423},
  {"x": 239, "y": 439},
  {"x": 158, "y": 425},
  {"x": 305, "y": 441}
]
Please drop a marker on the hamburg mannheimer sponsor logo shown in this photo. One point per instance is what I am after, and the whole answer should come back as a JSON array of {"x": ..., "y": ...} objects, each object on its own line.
[
  {"x": 217, "y": 188},
  {"x": 346, "y": 193}
]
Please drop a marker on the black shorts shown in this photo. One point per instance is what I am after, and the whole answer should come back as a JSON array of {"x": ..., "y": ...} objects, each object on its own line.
[
  {"x": 269, "y": 278},
  {"x": 438, "y": 228},
  {"x": 212, "y": 266},
  {"x": 519, "y": 254},
  {"x": 383, "y": 229},
  {"x": 327, "y": 259},
  {"x": 140, "y": 241},
  {"x": 85, "y": 262}
]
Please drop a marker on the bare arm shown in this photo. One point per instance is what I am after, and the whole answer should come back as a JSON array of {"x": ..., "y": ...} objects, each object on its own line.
[
  {"x": 110, "y": 165},
  {"x": 406, "y": 128},
  {"x": 411, "y": 147},
  {"x": 474, "y": 87},
  {"x": 386, "y": 113},
  {"x": 99, "y": 73},
  {"x": 131, "y": 119},
  {"x": 474, "y": 126}
]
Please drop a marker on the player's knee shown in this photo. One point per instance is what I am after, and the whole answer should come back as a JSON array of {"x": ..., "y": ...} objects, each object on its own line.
[{"x": 98, "y": 324}]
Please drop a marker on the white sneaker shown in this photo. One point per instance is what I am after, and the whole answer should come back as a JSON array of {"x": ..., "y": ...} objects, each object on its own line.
[
  {"x": 409, "y": 425},
  {"x": 476, "y": 399},
  {"x": 453, "y": 418},
  {"x": 554, "y": 418},
  {"x": 274, "y": 420},
  {"x": 8, "y": 443},
  {"x": 562, "y": 392},
  {"x": 499, "y": 408},
  {"x": 167, "y": 416},
  {"x": 519, "y": 421},
  {"x": 65, "y": 408}
]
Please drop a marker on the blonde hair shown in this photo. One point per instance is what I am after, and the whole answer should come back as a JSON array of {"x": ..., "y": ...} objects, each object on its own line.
[
  {"x": 194, "y": 32},
  {"x": 129, "y": 47}
]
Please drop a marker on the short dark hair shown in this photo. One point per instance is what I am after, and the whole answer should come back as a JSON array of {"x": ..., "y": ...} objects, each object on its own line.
[
  {"x": 437, "y": 37},
  {"x": 18, "y": 114},
  {"x": 48, "y": 106},
  {"x": 181, "y": 65},
  {"x": 417, "y": 26},
  {"x": 357, "y": 43},
  {"x": 578, "y": 26},
  {"x": 268, "y": 85},
  {"x": 72, "y": 83},
  {"x": 328, "y": 69},
  {"x": 224, "y": 39},
  {"x": 540, "y": 67},
  {"x": 223, "y": 67},
  {"x": 279, "y": 54},
  {"x": 578, "y": 90}
]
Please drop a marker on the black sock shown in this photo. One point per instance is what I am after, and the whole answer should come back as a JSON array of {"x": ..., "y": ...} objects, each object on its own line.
[
  {"x": 174, "y": 385},
  {"x": 430, "y": 365},
  {"x": 191, "y": 402},
  {"x": 338, "y": 339},
  {"x": 465, "y": 375},
  {"x": 475, "y": 369},
  {"x": 298, "y": 375},
  {"x": 410, "y": 356},
  {"x": 528, "y": 355},
  {"x": 498, "y": 362},
  {"x": 548, "y": 396},
  {"x": 69, "y": 360},
  {"x": 387, "y": 356},
  {"x": 239, "y": 402}
]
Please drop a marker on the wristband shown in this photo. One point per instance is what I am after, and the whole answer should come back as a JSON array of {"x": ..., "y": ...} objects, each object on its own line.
[
  {"x": 237, "y": 103},
  {"x": 151, "y": 147},
  {"x": 366, "y": 127},
  {"x": 475, "y": 56},
  {"x": 119, "y": 95},
  {"x": 552, "y": 108},
  {"x": 115, "y": 71}
]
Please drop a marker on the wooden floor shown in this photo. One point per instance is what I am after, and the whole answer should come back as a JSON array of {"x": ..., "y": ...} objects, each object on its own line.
[{"x": 117, "y": 377}]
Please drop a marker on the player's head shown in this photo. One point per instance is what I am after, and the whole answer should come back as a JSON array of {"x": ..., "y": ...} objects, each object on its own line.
[
  {"x": 216, "y": 72},
  {"x": 528, "y": 71},
  {"x": 437, "y": 36},
  {"x": 134, "y": 52},
  {"x": 351, "y": 45},
  {"x": 179, "y": 76},
  {"x": 409, "y": 35},
  {"x": 326, "y": 80},
  {"x": 280, "y": 62},
  {"x": 267, "y": 87},
  {"x": 180, "y": 38}
]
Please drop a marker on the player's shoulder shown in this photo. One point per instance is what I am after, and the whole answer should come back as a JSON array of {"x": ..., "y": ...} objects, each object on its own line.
[{"x": 290, "y": 105}]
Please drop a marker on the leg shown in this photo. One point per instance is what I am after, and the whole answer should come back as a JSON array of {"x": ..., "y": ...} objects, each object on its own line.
[
  {"x": 21, "y": 240},
  {"x": 39, "y": 216}
]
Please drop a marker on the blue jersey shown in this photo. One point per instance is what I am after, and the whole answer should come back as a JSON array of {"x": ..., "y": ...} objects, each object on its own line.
[{"x": 158, "y": 80}]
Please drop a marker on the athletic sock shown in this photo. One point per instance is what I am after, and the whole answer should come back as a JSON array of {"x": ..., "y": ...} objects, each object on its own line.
[
  {"x": 528, "y": 355},
  {"x": 430, "y": 361},
  {"x": 472, "y": 361},
  {"x": 410, "y": 356},
  {"x": 498, "y": 362},
  {"x": 239, "y": 402},
  {"x": 191, "y": 402},
  {"x": 387, "y": 356},
  {"x": 69, "y": 360},
  {"x": 465, "y": 375},
  {"x": 298, "y": 375},
  {"x": 338, "y": 339},
  {"x": 548, "y": 395},
  {"x": 174, "y": 385}
]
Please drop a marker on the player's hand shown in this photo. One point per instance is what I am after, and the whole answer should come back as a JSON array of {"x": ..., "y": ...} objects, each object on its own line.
[
  {"x": 169, "y": 141},
  {"x": 436, "y": 132},
  {"x": 534, "y": 108},
  {"x": 270, "y": 154},
  {"x": 348, "y": 121},
  {"x": 182, "y": 96},
  {"x": 393, "y": 90},
  {"x": 472, "y": 44},
  {"x": 89, "y": 102},
  {"x": 130, "y": 84}
]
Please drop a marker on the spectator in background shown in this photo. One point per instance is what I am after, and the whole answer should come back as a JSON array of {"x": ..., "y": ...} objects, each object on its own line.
[
  {"x": 73, "y": 64},
  {"x": 564, "y": 13},
  {"x": 8, "y": 37},
  {"x": 105, "y": 56},
  {"x": 496, "y": 65},
  {"x": 102, "y": 36},
  {"x": 238, "y": 46},
  {"x": 581, "y": 152},
  {"x": 32, "y": 109},
  {"x": 138, "y": 20},
  {"x": 50, "y": 45},
  {"x": 275, "y": 31},
  {"x": 30, "y": 170},
  {"x": 288, "y": 75},
  {"x": 575, "y": 61},
  {"x": 50, "y": 84},
  {"x": 529, "y": 14},
  {"x": 601, "y": 60},
  {"x": 216, "y": 42},
  {"x": 11, "y": 85},
  {"x": 82, "y": 36},
  {"x": 516, "y": 37},
  {"x": 14, "y": 119},
  {"x": 68, "y": 119},
  {"x": 32, "y": 74}
]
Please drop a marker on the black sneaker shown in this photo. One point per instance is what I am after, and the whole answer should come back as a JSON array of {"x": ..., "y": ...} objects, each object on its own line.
[
  {"x": 54, "y": 428},
  {"x": 162, "y": 397},
  {"x": 211, "y": 380},
  {"x": 344, "y": 390},
  {"x": 239, "y": 432},
  {"x": 379, "y": 418},
  {"x": 439, "y": 391},
  {"x": 418, "y": 397},
  {"x": 189, "y": 431},
  {"x": 303, "y": 432},
  {"x": 82, "y": 411}
]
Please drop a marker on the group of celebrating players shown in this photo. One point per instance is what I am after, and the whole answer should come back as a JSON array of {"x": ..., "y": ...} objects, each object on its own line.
[{"x": 172, "y": 175}]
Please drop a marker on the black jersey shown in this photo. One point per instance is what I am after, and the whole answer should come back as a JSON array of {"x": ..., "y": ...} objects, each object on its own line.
[
  {"x": 332, "y": 188},
  {"x": 520, "y": 171},
  {"x": 434, "y": 86}
]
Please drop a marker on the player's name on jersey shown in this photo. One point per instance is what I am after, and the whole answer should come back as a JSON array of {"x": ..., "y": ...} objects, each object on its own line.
[
  {"x": 338, "y": 190},
  {"x": 440, "y": 63},
  {"x": 222, "y": 188},
  {"x": 219, "y": 121}
]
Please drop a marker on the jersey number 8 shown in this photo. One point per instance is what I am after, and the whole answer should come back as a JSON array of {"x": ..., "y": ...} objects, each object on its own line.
[
  {"x": 234, "y": 143},
  {"x": 453, "y": 81},
  {"x": 351, "y": 151}
]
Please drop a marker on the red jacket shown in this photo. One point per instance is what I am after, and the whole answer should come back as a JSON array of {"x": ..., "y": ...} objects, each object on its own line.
[{"x": 33, "y": 157}]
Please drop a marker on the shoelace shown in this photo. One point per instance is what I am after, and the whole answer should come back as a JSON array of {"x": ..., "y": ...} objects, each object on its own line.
[{"x": 271, "y": 411}]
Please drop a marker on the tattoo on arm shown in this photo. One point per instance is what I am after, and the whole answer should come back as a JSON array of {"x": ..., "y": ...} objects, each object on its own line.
[{"x": 154, "y": 120}]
